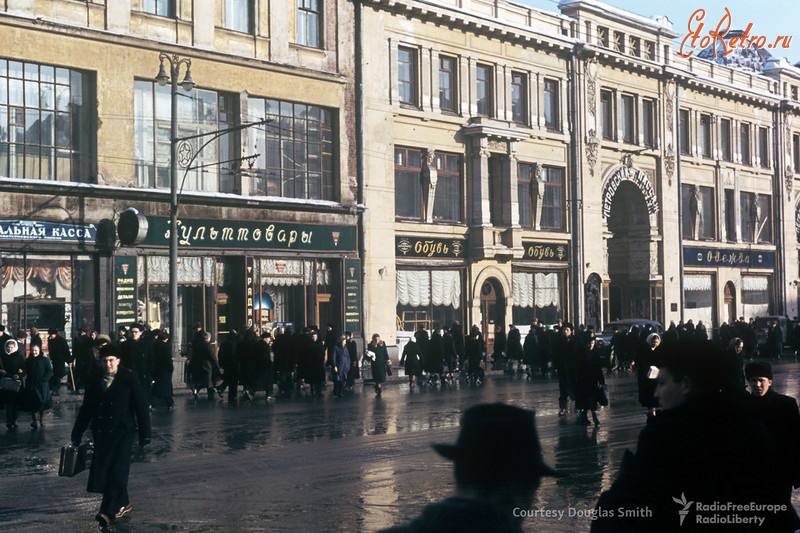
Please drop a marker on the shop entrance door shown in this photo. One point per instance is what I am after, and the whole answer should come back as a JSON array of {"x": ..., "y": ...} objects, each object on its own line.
[
  {"x": 492, "y": 311},
  {"x": 729, "y": 301}
]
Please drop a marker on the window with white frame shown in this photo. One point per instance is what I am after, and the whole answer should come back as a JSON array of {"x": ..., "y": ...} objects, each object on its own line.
[
  {"x": 448, "y": 86},
  {"x": 628, "y": 118},
  {"x": 552, "y": 105},
  {"x": 428, "y": 298},
  {"x": 519, "y": 97},
  {"x": 239, "y": 15},
  {"x": 607, "y": 127},
  {"x": 164, "y": 8},
  {"x": 407, "y": 76},
  {"x": 484, "y": 90}
]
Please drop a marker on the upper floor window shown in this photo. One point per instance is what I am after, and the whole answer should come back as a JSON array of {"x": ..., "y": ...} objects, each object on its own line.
[
  {"x": 698, "y": 212},
  {"x": 796, "y": 152},
  {"x": 239, "y": 15},
  {"x": 628, "y": 118},
  {"x": 47, "y": 122},
  {"x": 763, "y": 147},
  {"x": 705, "y": 136},
  {"x": 619, "y": 42},
  {"x": 744, "y": 143},
  {"x": 408, "y": 183},
  {"x": 448, "y": 84},
  {"x": 309, "y": 16},
  {"x": 683, "y": 131},
  {"x": 407, "y": 81},
  {"x": 607, "y": 115},
  {"x": 635, "y": 46},
  {"x": 649, "y": 122},
  {"x": 447, "y": 195},
  {"x": 165, "y": 8},
  {"x": 725, "y": 139},
  {"x": 554, "y": 199},
  {"x": 552, "y": 111},
  {"x": 649, "y": 50},
  {"x": 296, "y": 147},
  {"x": 484, "y": 90},
  {"x": 519, "y": 97},
  {"x": 602, "y": 36},
  {"x": 200, "y": 112},
  {"x": 756, "y": 222}
]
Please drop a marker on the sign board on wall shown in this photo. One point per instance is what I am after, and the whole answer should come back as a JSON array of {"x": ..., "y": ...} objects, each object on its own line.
[
  {"x": 125, "y": 303},
  {"x": 352, "y": 295}
]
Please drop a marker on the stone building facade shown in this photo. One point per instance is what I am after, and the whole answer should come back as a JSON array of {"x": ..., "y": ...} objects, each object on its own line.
[
  {"x": 268, "y": 216},
  {"x": 591, "y": 172}
]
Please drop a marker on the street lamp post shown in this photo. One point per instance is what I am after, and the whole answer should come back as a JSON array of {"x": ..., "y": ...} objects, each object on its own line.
[{"x": 163, "y": 78}]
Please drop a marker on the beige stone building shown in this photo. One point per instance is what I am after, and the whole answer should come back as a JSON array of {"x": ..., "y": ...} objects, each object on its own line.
[
  {"x": 268, "y": 223},
  {"x": 570, "y": 165},
  {"x": 413, "y": 163}
]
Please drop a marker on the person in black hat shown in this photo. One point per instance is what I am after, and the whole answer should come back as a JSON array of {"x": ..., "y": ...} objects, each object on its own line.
[
  {"x": 60, "y": 356},
  {"x": 780, "y": 416},
  {"x": 498, "y": 466},
  {"x": 696, "y": 450}
]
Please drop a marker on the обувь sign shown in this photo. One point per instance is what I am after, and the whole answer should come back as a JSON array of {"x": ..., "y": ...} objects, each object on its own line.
[{"x": 697, "y": 36}]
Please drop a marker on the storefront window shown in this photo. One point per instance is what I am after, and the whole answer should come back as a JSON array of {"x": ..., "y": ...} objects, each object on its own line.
[
  {"x": 755, "y": 296},
  {"x": 537, "y": 295},
  {"x": 45, "y": 291},
  {"x": 698, "y": 299},
  {"x": 428, "y": 298}
]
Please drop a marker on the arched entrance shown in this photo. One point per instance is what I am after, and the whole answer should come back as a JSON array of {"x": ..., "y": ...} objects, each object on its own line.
[
  {"x": 729, "y": 302},
  {"x": 493, "y": 304},
  {"x": 634, "y": 288}
]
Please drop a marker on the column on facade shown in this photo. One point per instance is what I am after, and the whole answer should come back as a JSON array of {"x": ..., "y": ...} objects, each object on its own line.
[{"x": 480, "y": 208}]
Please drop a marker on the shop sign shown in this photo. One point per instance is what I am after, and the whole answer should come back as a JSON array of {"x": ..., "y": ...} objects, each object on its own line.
[
  {"x": 33, "y": 230},
  {"x": 125, "y": 306},
  {"x": 430, "y": 248},
  {"x": 696, "y": 256},
  {"x": 250, "y": 283},
  {"x": 203, "y": 233},
  {"x": 546, "y": 251},
  {"x": 638, "y": 178},
  {"x": 352, "y": 295}
]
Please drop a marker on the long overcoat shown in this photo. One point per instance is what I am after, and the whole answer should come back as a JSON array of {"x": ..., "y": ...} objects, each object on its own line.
[
  {"x": 116, "y": 415},
  {"x": 39, "y": 371},
  {"x": 341, "y": 360},
  {"x": 380, "y": 362}
]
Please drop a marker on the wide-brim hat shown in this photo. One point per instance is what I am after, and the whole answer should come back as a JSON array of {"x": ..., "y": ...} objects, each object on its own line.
[{"x": 500, "y": 440}]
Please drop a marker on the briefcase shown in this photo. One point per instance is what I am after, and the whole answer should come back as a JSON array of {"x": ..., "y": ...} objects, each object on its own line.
[{"x": 73, "y": 459}]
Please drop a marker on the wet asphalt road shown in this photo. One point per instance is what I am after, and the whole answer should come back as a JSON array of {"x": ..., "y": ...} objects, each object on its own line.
[{"x": 317, "y": 464}]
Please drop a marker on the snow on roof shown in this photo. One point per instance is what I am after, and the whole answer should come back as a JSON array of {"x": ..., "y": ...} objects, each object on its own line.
[{"x": 658, "y": 22}]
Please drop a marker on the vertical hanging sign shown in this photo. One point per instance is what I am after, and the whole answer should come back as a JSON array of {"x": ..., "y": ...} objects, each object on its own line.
[
  {"x": 125, "y": 290},
  {"x": 352, "y": 295},
  {"x": 249, "y": 276}
]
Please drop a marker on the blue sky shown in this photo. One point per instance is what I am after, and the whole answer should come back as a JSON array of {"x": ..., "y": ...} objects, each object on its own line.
[{"x": 770, "y": 18}]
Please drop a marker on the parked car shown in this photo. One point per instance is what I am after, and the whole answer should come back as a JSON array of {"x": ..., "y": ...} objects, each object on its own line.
[
  {"x": 604, "y": 338},
  {"x": 762, "y": 328}
]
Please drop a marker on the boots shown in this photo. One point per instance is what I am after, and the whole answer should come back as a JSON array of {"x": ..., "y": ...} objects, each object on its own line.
[
  {"x": 584, "y": 418},
  {"x": 34, "y": 423},
  {"x": 595, "y": 419}
]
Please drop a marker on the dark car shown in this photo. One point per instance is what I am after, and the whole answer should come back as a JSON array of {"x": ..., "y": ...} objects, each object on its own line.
[{"x": 624, "y": 325}]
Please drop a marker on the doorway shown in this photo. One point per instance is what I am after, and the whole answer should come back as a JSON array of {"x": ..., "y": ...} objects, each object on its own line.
[
  {"x": 729, "y": 302},
  {"x": 492, "y": 311}
]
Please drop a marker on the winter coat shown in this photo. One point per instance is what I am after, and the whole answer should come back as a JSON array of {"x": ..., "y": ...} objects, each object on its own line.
[
  {"x": 380, "y": 362},
  {"x": 341, "y": 361},
  {"x": 460, "y": 515},
  {"x": 588, "y": 378},
  {"x": 14, "y": 366},
  {"x": 39, "y": 371},
  {"x": 352, "y": 350},
  {"x": 162, "y": 369},
  {"x": 116, "y": 415},
  {"x": 261, "y": 377},
  {"x": 697, "y": 451},
  {"x": 203, "y": 367},
  {"x": 514, "y": 345},
  {"x": 434, "y": 362},
  {"x": 780, "y": 416},
  {"x": 410, "y": 359},
  {"x": 58, "y": 351}
]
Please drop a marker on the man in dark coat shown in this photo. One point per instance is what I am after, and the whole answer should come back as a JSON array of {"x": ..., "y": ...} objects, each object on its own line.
[
  {"x": 162, "y": 370},
  {"x": 136, "y": 354},
  {"x": 82, "y": 357},
  {"x": 514, "y": 348},
  {"x": 352, "y": 350},
  {"x": 693, "y": 453},
  {"x": 59, "y": 353},
  {"x": 116, "y": 407},
  {"x": 492, "y": 489},
  {"x": 229, "y": 363},
  {"x": 564, "y": 354},
  {"x": 262, "y": 367},
  {"x": 458, "y": 339},
  {"x": 780, "y": 416}
]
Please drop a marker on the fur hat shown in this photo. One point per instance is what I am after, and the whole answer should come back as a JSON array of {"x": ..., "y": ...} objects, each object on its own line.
[{"x": 759, "y": 369}]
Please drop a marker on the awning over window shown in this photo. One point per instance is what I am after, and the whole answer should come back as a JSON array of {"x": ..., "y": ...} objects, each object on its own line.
[
  {"x": 420, "y": 288},
  {"x": 535, "y": 289},
  {"x": 697, "y": 283},
  {"x": 755, "y": 283}
]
